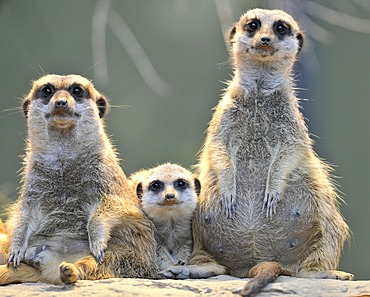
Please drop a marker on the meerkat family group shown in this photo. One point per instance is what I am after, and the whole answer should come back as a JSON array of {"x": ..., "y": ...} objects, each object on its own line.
[{"x": 261, "y": 203}]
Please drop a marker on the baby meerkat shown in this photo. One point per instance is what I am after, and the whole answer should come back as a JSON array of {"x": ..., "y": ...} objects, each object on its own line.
[
  {"x": 168, "y": 196},
  {"x": 268, "y": 205},
  {"x": 76, "y": 216}
]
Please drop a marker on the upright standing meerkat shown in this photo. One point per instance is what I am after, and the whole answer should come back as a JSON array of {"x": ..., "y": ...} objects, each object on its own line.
[
  {"x": 266, "y": 196},
  {"x": 76, "y": 217},
  {"x": 168, "y": 195}
]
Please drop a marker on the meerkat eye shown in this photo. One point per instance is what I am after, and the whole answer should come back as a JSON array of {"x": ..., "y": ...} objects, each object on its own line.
[
  {"x": 252, "y": 26},
  {"x": 281, "y": 29},
  {"x": 77, "y": 91},
  {"x": 46, "y": 91},
  {"x": 181, "y": 184},
  {"x": 155, "y": 186}
]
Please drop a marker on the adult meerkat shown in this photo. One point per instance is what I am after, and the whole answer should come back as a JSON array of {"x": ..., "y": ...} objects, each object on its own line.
[
  {"x": 267, "y": 199},
  {"x": 168, "y": 195},
  {"x": 76, "y": 217},
  {"x": 4, "y": 244}
]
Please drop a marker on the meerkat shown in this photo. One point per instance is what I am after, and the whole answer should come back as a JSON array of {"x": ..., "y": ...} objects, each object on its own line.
[
  {"x": 268, "y": 205},
  {"x": 168, "y": 195},
  {"x": 76, "y": 216},
  {"x": 4, "y": 244}
]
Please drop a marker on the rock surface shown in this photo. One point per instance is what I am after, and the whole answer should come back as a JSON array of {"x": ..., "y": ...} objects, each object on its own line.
[{"x": 216, "y": 286}]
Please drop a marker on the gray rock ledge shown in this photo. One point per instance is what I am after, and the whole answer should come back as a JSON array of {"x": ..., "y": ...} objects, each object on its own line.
[{"x": 222, "y": 285}]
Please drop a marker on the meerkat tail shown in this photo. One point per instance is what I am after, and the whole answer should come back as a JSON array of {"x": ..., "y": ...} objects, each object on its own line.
[{"x": 263, "y": 274}]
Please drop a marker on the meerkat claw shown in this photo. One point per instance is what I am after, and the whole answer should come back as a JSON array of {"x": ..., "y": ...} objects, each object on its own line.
[
  {"x": 270, "y": 203},
  {"x": 229, "y": 205}
]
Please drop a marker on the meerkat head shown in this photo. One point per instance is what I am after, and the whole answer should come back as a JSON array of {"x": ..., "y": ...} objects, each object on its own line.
[
  {"x": 167, "y": 191},
  {"x": 60, "y": 102},
  {"x": 265, "y": 36}
]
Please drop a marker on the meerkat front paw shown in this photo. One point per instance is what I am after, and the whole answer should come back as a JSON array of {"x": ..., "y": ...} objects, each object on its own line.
[
  {"x": 270, "y": 202},
  {"x": 16, "y": 255},
  {"x": 176, "y": 272},
  {"x": 228, "y": 203},
  {"x": 273, "y": 194},
  {"x": 97, "y": 249},
  {"x": 68, "y": 273}
]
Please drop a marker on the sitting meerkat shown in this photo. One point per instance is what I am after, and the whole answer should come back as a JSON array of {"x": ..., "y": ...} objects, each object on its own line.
[
  {"x": 268, "y": 205},
  {"x": 4, "y": 244},
  {"x": 76, "y": 216},
  {"x": 168, "y": 195}
]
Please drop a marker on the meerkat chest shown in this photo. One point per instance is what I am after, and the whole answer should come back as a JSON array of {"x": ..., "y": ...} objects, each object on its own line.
[
  {"x": 60, "y": 199},
  {"x": 253, "y": 125},
  {"x": 173, "y": 236}
]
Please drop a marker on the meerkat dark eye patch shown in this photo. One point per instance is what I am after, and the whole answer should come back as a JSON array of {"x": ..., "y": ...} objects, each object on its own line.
[
  {"x": 181, "y": 184},
  {"x": 156, "y": 186},
  {"x": 252, "y": 26},
  {"x": 45, "y": 93},
  {"x": 77, "y": 92},
  {"x": 281, "y": 29}
]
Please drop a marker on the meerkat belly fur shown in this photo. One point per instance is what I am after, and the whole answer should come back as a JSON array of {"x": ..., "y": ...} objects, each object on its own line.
[
  {"x": 266, "y": 196},
  {"x": 168, "y": 195},
  {"x": 76, "y": 217}
]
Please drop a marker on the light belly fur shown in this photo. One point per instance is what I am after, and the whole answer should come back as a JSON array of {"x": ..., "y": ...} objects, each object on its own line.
[{"x": 250, "y": 237}]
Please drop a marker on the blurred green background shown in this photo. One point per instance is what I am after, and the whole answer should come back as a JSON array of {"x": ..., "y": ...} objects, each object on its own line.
[{"x": 162, "y": 64}]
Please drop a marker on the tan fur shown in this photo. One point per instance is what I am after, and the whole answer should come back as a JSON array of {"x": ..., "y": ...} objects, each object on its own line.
[
  {"x": 266, "y": 196},
  {"x": 4, "y": 244},
  {"x": 76, "y": 211},
  {"x": 168, "y": 196}
]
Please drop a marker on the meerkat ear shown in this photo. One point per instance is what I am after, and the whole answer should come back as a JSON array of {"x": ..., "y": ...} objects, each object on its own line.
[
  {"x": 230, "y": 35},
  {"x": 300, "y": 41},
  {"x": 103, "y": 105},
  {"x": 197, "y": 186},
  {"x": 139, "y": 190},
  {"x": 25, "y": 106}
]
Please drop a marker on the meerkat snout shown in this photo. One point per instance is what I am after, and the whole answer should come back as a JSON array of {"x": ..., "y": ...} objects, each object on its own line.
[
  {"x": 169, "y": 196},
  {"x": 61, "y": 104},
  {"x": 265, "y": 40}
]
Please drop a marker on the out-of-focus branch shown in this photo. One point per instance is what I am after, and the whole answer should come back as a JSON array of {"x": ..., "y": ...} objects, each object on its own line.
[
  {"x": 363, "y": 3},
  {"x": 105, "y": 15},
  {"x": 225, "y": 14},
  {"x": 316, "y": 32},
  {"x": 98, "y": 40},
  {"x": 137, "y": 54},
  {"x": 336, "y": 18}
]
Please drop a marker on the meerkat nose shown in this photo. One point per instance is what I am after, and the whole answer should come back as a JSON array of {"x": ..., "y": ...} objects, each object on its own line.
[
  {"x": 61, "y": 104},
  {"x": 265, "y": 40},
  {"x": 169, "y": 196}
]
